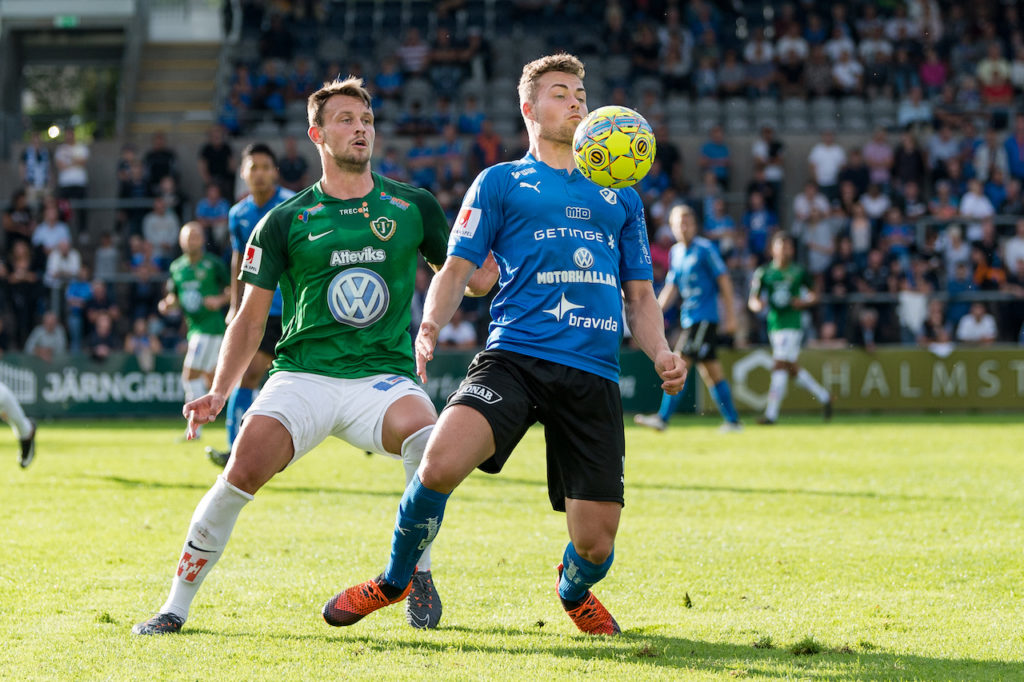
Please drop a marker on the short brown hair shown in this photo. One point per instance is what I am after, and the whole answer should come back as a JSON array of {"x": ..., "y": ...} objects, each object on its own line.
[
  {"x": 350, "y": 87},
  {"x": 563, "y": 62}
]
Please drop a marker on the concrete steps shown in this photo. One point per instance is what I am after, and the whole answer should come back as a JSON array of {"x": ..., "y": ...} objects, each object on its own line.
[{"x": 176, "y": 88}]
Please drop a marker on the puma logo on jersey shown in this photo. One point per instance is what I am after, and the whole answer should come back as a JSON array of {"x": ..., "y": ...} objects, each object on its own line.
[
  {"x": 535, "y": 187},
  {"x": 313, "y": 237}
]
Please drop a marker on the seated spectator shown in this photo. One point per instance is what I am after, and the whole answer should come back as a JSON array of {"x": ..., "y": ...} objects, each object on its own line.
[
  {"x": 101, "y": 303},
  {"x": 18, "y": 219},
  {"x": 913, "y": 205},
  {"x": 942, "y": 147},
  {"x": 106, "y": 259},
  {"x": 175, "y": 199},
  {"x": 159, "y": 162},
  {"x": 234, "y": 113},
  {"x": 935, "y": 330},
  {"x": 1014, "y": 146},
  {"x": 451, "y": 157},
  {"x": 855, "y": 171},
  {"x": 276, "y": 41},
  {"x": 715, "y": 156},
  {"x": 904, "y": 79},
  {"x": 861, "y": 235},
  {"x": 705, "y": 77},
  {"x": 792, "y": 43},
  {"x": 932, "y": 72},
  {"x": 819, "y": 240},
  {"x": 990, "y": 155},
  {"x": 146, "y": 274},
  {"x": 459, "y": 333},
  {"x": 957, "y": 287},
  {"x": 848, "y": 74},
  {"x": 866, "y": 333},
  {"x": 807, "y": 201},
  {"x": 993, "y": 67},
  {"x": 875, "y": 203},
  {"x": 143, "y": 344},
  {"x": 160, "y": 228},
  {"x": 914, "y": 110},
  {"x": 413, "y": 53},
  {"x": 720, "y": 228},
  {"x": 818, "y": 80},
  {"x": 826, "y": 159},
  {"x": 873, "y": 45},
  {"x": 421, "y": 159},
  {"x": 732, "y": 76},
  {"x": 828, "y": 338},
  {"x": 767, "y": 189},
  {"x": 103, "y": 340},
  {"x": 271, "y": 94},
  {"x": 975, "y": 206},
  {"x": 471, "y": 119},
  {"x": 303, "y": 81},
  {"x": 446, "y": 66},
  {"x": 50, "y": 231},
  {"x": 389, "y": 80},
  {"x": 217, "y": 163},
  {"x": 760, "y": 224},
  {"x": 23, "y": 290},
  {"x": 944, "y": 205},
  {"x": 677, "y": 62},
  {"x": 488, "y": 147},
  {"x": 968, "y": 97},
  {"x": 908, "y": 162},
  {"x": 292, "y": 167},
  {"x": 135, "y": 188},
  {"x": 62, "y": 264},
  {"x": 392, "y": 167},
  {"x": 987, "y": 276},
  {"x": 839, "y": 282},
  {"x": 897, "y": 236},
  {"x": 815, "y": 33},
  {"x": 212, "y": 213},
  {"x": 76, "y": 297},
  {"x": 837, "y": 44},
  {"x": 978, "y": 327},
  {"x": 995, "y": 189},
  {"x": 1013, "y": 249},
  {"x": 48, "y": 341}
]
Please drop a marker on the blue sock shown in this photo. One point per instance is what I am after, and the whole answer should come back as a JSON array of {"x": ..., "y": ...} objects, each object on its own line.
[
  {"x": 238, "y": 403},
  {"x": 579, "y": 575},
  {"x": 419, "y": 518},
  {"x": 670, "y": 403},
  {"x": 723, "y": 396}
]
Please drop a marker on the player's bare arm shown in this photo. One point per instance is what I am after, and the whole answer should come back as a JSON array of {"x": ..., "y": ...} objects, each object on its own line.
[
  {"x": 669, "y": 295},
  {"x": 646, "y": 321},
  {"x": 808, "y": 300},
  {"x": 217, "y": 301},
  {"x": 483, "y": 279},
  {"x": 725, "y": 292},
  {"x": 443, "y": 297},
  {"x": 241, "y": 340},
  {"x": 236, "y": 286}
]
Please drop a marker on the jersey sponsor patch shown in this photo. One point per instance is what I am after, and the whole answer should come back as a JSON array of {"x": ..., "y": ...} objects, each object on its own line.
[
  {"x": 467, "y": 222},
  {"x": 252, "y": 260},
  {"x": 480, "y": 392},
  {"x": 583, "y": 258},
  {"x": 383, "y": 228},
  {"x": 358, "y": 297},
  {"x": 366, "y": 255},
  {"x": 310, "y": 212}
]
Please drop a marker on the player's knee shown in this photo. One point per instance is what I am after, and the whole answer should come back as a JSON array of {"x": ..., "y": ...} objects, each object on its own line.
[
  {"x": 595, "y": 550},
  {"x": 437, "y": 477}
]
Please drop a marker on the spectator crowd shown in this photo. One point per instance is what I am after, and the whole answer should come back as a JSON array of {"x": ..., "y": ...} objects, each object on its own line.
[{"x": 901, "y": 227}]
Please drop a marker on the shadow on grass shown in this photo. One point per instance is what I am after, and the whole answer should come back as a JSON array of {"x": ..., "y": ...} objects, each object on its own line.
[
  {"x": 648, "y": 650},
  {"x": 633, "y": 485},
  {"x": 270, "y": 488}
]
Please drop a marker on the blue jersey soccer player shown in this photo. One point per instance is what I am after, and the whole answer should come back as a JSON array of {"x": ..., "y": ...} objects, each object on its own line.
[
  {"x": 259, "y": 172},
  {"x": 567, "y": 252},
  {"x": 697, "y": 275}
]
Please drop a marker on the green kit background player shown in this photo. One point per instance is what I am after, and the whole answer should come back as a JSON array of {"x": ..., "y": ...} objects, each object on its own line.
[
  {"x": 788, "y": 290},
  {"x": 345, "y": 253},
  {"x": 199, "y": 285}
]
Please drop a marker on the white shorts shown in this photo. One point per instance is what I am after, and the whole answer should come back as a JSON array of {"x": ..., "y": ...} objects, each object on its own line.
[
  {"x": 202, "y": 352},
  {"x": 312, "y": 407},
  {"x": 786, "y": 344}
]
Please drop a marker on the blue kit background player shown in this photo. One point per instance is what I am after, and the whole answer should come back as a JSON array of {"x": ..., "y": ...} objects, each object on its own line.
[
  {"x": 697, "y": 275},
  {"x": 568, "y": 252},
  {"x": 259, "y": 172}
]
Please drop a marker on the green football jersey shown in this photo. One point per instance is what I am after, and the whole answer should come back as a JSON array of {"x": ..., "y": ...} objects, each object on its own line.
[
  {"x": 192, "y": 283},
  {"x": 347, "y": 270},
  {"x": 781, "y": 287}
]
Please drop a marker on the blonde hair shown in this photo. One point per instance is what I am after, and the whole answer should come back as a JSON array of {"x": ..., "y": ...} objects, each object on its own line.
[
  {"x": 349, "y": 87},
  {"x": 561, "y": 62}
]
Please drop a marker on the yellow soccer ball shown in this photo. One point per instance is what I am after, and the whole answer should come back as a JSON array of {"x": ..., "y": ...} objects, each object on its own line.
[{"x": 614, "y": 147}]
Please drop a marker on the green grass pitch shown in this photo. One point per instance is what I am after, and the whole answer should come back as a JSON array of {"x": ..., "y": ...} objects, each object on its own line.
[{"x": 872, "y": 548}]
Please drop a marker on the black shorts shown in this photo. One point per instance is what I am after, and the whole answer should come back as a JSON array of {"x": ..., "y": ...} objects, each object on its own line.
[
  {"x": 271, "y": 335},
  {"x": 581, "y": 413},
  {"x": 699, "y": 342}
]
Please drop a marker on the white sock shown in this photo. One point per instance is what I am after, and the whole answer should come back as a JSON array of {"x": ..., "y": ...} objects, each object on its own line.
[
  {"x": 776, "y": 392},
  {"x": 207, "y": 537},
  {"x": 805, "y": 380},
  {"x": 412, "y": 455},
  {"x": 10, "y": 410},
  {"x": 194, "y": 388}
]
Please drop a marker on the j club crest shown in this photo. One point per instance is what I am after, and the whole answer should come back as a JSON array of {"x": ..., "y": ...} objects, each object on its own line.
[{"x": 383, "y": 228}]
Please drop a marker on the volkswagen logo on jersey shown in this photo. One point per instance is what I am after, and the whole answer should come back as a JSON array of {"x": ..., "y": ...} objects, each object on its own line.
[
  {"x": 583, "y": 259},
  {"x": 358, "y": 297}
]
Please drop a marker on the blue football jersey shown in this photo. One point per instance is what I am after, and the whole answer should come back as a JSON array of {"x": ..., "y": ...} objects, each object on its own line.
[
  {"x": 563, "y": 246},
  {"x": 695, "y": 272},
  {"x": 242, "y": 220}
]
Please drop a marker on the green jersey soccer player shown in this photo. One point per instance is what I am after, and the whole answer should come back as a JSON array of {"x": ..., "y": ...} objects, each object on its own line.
[
  {"x": 345, "y": 253},
  {"x": 788, "y": 290}
]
